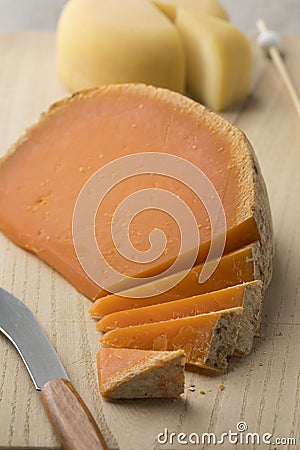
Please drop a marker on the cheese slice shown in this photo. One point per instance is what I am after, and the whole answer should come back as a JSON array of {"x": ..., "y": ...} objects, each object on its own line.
[
  {"x": 247, "y": 295},
  {"x": 45, "y": 171},
  {"x": 192, "y": 306},
  {"x": 211, "y": 7},
  {"x": 218, "y": 59},
  {"x": 234, "y": 268},
  {"x": 129, "y": 373},
  {"x": 208, "y": 340},
  {"x": 100, "y": 41}
]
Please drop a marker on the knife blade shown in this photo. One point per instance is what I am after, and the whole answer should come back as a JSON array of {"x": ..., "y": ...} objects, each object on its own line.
[
  {"x": 72, "y": 422},
  {"x": 20, "y": 326}
]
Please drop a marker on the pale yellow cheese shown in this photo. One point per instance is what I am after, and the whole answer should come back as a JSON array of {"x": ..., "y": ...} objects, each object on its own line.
[
  {"x": 218, "y": 58},
  {"x": 212, "y": 7},
  {"x": 101, "y": 42}
]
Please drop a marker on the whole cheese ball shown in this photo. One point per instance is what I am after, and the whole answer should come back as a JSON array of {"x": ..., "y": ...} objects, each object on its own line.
[{"x": 118, "y": 41}]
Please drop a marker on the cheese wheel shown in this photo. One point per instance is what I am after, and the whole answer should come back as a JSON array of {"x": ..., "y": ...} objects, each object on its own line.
[
  {"x": 100, "y": 41},
  {"x": 42, "y": 177},
  {"x": 211, "y": 7},
  {"x": 218, "y": 59},
  {"x": 129, "y": 373},
  {"x": 208, "y": 340}
]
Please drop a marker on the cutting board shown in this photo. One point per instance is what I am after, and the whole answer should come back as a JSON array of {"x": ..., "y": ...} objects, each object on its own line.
[{"x": 261, "y": 390}]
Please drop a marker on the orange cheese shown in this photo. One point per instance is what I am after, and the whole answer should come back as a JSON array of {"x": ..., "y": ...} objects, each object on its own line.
[
  {"x": 234, "y": 268},
  {"x": 208, "y": 340},
  {"x": 247, "y": 295},
  {"x": 42, "y": 175},
  {"x": 199, "y": 304},
  {"x": 129, "y": 373}
]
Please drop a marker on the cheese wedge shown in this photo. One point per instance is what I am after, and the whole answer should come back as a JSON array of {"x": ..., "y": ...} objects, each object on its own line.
[
  {"x": 128, "y": 373},
  {"x": 211, "y": 7},
  {"x": 247, "y": 295},
  {"x": 234, "y": 268},
  {"x": 218, "y": 59},
  {"x": 208, "y": 340},
  {"x": 100, "y": 41},
  {"x": 45, "y": 171}
]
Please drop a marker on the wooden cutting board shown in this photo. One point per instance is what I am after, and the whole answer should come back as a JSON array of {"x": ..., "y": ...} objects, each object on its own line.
[{"x": 263, "y": 389}]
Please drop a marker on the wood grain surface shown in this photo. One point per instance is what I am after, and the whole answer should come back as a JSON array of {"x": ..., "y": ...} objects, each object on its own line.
[
  {"x": 72, "y": 422},
  {"x": 263, "y": 389}
]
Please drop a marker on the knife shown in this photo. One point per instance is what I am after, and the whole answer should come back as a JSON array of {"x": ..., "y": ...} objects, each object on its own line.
[{"x": 70, "y": 418}]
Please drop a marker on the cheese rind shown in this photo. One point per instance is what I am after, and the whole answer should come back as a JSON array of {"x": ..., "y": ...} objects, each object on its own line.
[
  {"x": 251, "y": 318},
  {"x": 129, "y": 373},
  {"x": 208, "y": 340},
  {"x": 44, "y": 172},
  {"x": 241, "y": 266},
  {"x": 101, "y": 42},
  {"x": 211, "y": 7},
  {"x": 218, "y": 59}
]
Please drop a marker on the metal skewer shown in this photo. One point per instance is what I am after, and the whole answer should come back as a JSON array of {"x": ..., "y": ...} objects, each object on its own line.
[{"x": 270, "y": 41}]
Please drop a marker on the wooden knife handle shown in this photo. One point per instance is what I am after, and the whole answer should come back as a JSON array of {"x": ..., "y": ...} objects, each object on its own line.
[{"x": 70, "y": 418}]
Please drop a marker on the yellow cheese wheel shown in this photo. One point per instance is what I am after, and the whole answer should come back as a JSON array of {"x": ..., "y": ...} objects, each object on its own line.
[
  {"x": 100, "y": 42},
  {"x": 212, "y": 7},
  {"x": 218, "y": 59}
]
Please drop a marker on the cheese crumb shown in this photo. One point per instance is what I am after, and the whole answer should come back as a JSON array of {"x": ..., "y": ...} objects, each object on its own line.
[{"x": 259, "y": 335}]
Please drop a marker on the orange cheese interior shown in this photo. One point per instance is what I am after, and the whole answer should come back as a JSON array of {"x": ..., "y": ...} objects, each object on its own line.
[
  {"x": 191, "y": 334},
  {"x": 199, "y": 304},
  {"x": 132, "y": 373},
  {"x": 111, "y": 361},
  {"x": 234, "y": 268},
  {"x": 41, "y": 180}
]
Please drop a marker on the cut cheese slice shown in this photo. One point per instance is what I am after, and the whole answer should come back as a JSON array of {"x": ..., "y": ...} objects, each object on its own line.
[
  {"x": 218, "y": 59},
  {"x": 129, "y": 373},
  {"x": 234, "y": 268},
  {"x": 100, "y": 41},
  {"x": 247, "y": 295},
  {"x": 211, "y": 7},
  {"x": 45, "y": 171},
  {"x": 208, "y": 340}
]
